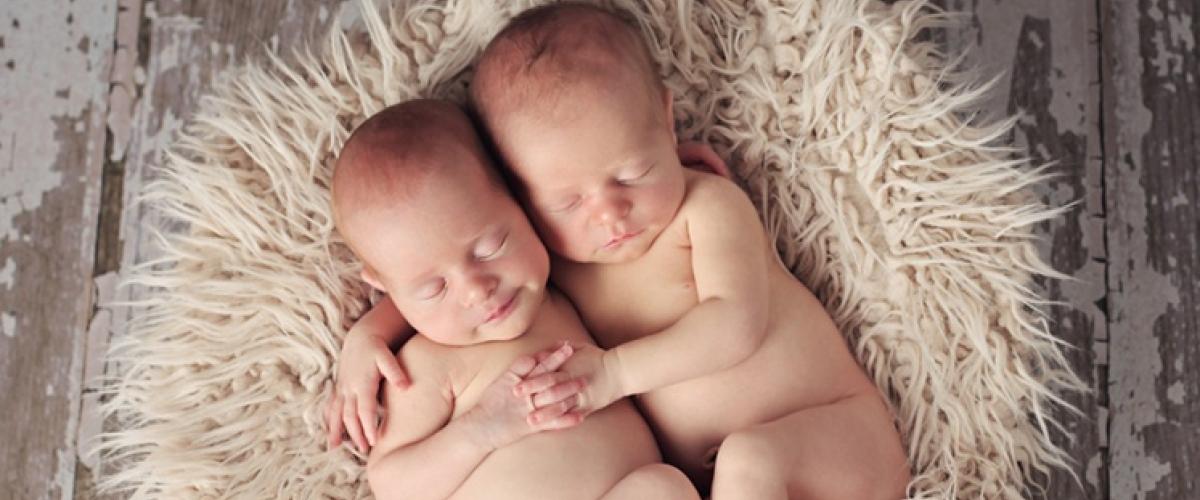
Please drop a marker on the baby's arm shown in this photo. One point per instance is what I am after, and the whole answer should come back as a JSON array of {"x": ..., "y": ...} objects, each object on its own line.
[
  {"x": 367, "y": 355},
  {"x": 729, "y": 262},
  {"x": 424, "y": 454}
]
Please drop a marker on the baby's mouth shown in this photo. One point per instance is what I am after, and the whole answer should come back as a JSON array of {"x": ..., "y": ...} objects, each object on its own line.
[
  {"x": 619, "y": 240},
  {"x": 502, "y": 311}
]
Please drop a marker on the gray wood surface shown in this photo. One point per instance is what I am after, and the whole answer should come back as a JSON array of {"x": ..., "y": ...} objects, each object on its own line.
[
  {"x": 90, "y": 93},
  {"x": 1046, "y": 55},
  {"x": 1151, "y": 147},
  {"x": 53, "y": 87},
  {"x": 173, "y": 50}
]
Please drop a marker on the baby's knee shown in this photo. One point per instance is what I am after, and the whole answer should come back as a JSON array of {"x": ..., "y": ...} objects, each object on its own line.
[
  {"x": 660, "y": 481},
  {"x": 745, "y": 456}
]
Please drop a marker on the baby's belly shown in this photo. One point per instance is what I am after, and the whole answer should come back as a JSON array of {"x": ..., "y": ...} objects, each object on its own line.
[
  {"x": 583, "y": 462},
  {"x": 803, "y": 362}
]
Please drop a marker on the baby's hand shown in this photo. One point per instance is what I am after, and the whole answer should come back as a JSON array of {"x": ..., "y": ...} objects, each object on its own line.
[
  {"x": 355, "y": 400},
  {"x": 598, "y": 368},
  {"x": 700, "y": 156},
  {"x": 504, "y": 416}
]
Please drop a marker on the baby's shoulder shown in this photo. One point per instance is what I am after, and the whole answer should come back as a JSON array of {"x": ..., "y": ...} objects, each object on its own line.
[
  {"x": 710, "y": 197},
  {"x": 436, "y": 362}
]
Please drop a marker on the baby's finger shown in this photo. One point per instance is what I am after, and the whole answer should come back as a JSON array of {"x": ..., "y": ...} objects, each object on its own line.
[
  {"x": 535, "y": 384},
  {"x": 566, "y": 420},
  {"x": 550, "y": 412},
  {"x": 553, "y": 359},
  {"x": 521, "y": 366},
  {"x": 335, "y": 421},
  {"x": 390, "y": 367},
  {"x": 558, "y": 392},
  {"x": 367, "y": 414},
  {"x": 353, "y": 427}
]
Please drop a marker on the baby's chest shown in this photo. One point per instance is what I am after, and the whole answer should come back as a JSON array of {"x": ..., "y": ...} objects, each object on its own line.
[{"x": 619, "y": 303}]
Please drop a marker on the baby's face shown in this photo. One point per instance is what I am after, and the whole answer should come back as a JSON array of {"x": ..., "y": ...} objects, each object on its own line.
[
  {"x": 459, "y": 259},
  {"x": 602, "y": 185}
]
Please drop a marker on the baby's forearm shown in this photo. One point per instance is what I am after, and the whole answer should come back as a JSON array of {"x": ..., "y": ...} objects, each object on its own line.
[
  {"x": 715, "y": 335},
  {"x": 434, "y": 467},
  {"x": 385, "y": 322}
]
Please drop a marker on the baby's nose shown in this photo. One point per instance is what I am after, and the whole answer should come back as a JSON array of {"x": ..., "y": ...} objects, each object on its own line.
[
  {"x": 477, "y": 288},
  {"x": 610, "y": 209}
]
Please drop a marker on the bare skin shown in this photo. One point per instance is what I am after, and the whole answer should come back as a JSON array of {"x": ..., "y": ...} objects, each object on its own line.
[
  {"x": 452, "y": 383},
  {"x": 729, "y": 354},
  {"x": 462, "y": 265},
  {"x": 733, "y": 360},
  {"x": 797, "y": 408}
]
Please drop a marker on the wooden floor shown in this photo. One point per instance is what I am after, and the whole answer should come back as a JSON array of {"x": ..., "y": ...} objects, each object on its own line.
[{"x": 90, "y": 91}]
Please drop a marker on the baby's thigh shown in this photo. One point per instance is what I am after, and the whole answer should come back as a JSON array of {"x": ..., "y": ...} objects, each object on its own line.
[
  {"x": 654, "y": 481},
  {"x": 846, "y": 449}
]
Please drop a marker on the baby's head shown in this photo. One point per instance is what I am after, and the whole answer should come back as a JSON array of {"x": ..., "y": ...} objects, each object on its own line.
[
  {"x": 418, "y": 200},
  {"x": 575, "y": 107}
]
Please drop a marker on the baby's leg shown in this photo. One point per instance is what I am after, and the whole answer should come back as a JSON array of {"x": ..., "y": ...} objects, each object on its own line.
[
  {"x": 654, "y": 481},
  {"x": 847, "y": 449}
]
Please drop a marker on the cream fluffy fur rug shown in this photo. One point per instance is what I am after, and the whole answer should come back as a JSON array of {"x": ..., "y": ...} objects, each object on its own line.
[{"x": 913, "y": 225}]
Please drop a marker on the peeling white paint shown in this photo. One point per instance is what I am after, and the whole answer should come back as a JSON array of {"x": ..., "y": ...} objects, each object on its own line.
[
  {"x": 1176, "y": 393},
  {"x": 1170, "y": 45},
  {"x": 100, "y": 332},
  {"x": 122, "y": 97},
  {"x": 168, "y": 53},
  {"x": 1074, "y": 106},
  {"x": 32, "y": 103},
  {"x": 1141, "y": 294},
  {"x": 49, "y": 389},
  {"x": 7, "y": 272},
  {"x": 996, "y": 53},
  {"x": 8, "y": 325}
]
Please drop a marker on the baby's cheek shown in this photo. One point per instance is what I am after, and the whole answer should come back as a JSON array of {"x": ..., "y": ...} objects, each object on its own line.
[{"x": 561, "y": 241}]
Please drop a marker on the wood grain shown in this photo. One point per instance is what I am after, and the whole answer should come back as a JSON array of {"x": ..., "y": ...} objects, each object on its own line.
[
  {"x": 55, "y": 58},
  {"x": 168, "y": 54},
  {"x": 1046, "y": 55},
  {"x": 1151, "y": 148}
]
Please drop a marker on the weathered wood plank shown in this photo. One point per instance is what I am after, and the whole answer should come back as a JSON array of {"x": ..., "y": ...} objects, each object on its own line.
[
  {"x": 181, "y": 46},
  {"x": 52, "y": 107},
  {"x": 1047, "y": 53},
  {"x": 122, "y": 91},
  {"x": 1152, "y": 146}
]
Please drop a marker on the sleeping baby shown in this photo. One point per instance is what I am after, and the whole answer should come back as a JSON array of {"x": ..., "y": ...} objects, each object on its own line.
[
  {"x": 744, "y": 378},
  {"x": 416, "y": 198},
  {"x": 734, "y": 362}
]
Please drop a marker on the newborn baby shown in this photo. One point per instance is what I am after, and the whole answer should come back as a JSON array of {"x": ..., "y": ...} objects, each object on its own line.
[
  {"x": 416, "y": 198},
  {"x": 735, "y": 363}
]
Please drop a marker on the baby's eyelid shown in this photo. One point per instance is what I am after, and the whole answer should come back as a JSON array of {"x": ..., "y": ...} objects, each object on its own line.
[
  {"x": 568, "y": 206},
  {"x": 643, "y": 173},
  {"x": 432, "y": 289},
  {"x": 487, "y": 254}
]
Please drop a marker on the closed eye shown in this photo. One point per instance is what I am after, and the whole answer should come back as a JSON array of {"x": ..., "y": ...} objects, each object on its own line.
[
  {"x": 634, "y": 178},
  {"x": 567, "y": 207},
  {"x": 492, "y": 249},
  {"x": 432, "y": 290}
]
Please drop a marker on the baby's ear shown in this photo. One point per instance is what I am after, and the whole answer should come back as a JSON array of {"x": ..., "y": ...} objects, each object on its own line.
[
  {"x": 669, "y": 102},
  {"x": 372, "y": 278}
]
